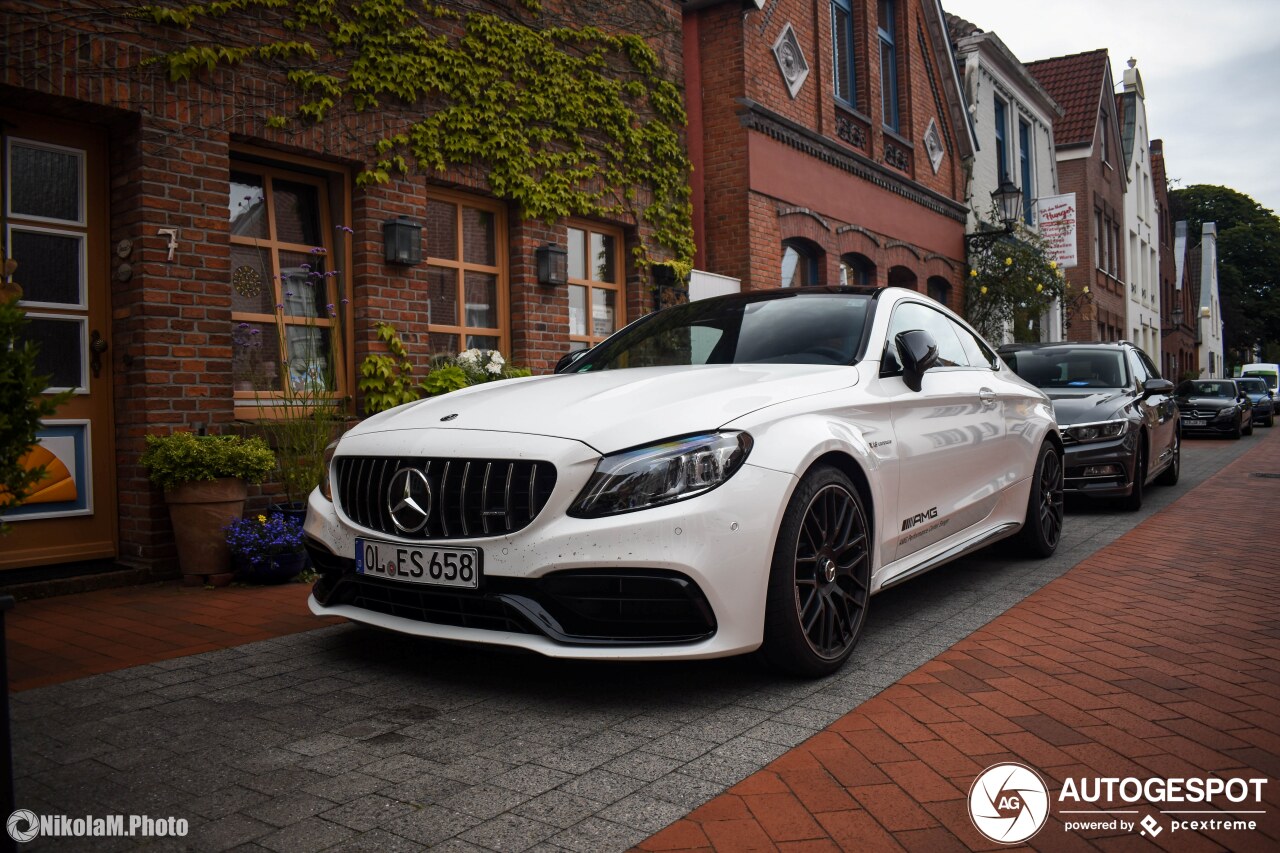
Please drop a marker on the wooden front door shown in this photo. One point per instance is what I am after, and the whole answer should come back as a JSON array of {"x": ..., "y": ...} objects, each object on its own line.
[{"x": 53, "y": 204}]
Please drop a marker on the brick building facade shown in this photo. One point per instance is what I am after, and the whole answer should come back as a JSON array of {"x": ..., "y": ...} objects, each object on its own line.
[
  {"x": 1090, "y": 164},
  {"x": 829, "y": 144},
  {"x": 169, "y": 218}
]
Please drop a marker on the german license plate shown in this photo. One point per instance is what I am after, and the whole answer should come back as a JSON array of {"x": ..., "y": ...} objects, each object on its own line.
[
  {"x": 1193, "y": 422},
  {"x": 424, "y": 564}
]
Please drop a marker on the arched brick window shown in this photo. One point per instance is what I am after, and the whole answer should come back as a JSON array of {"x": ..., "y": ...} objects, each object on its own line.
[
  {"x": 902, "y": 277},
  {"x": 801, "y": 263},
  {"x": 858, "y": 269},
  {"x": 939, "y": 289}
]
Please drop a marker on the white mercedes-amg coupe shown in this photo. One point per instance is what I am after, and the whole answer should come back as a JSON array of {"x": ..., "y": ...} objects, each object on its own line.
[{"x": 733, "y": 474}]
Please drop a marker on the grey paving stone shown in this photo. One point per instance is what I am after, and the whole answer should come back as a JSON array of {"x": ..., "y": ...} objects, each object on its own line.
[
  {"x": 229, "y": 831},
  {"x": 430, "y": 824},
  {"x": 367, "y": 812},
  {"x": 346, "y": 787},
  {"x": 531, "y": 779},
  {"x": 225, "y": 801},
  {"x": 311, "y": 834},
  {"x": 643, "y": 765},
  {"x": 682, "y": 790},
  {"x": 572, "y": 760},
  {"x": 485, "y": 801},
  {"x": 679, "y": 747},
  {"x": 558, "y": 808},
  {"x": 288, "y": 809},
  {"x": 509, "y": 832},
  {"x": 596, "y": 834},
  {"x": 282, "y": 781},
  {"x": 400, "y": 768},
  {"x": 643, "y": 812},
  {"x": 602, "y": 785}
]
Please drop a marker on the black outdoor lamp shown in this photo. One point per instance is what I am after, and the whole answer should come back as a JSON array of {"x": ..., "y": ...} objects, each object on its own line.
[
  {"x": 1008, "y": 200},
  {"x": 402, "y": 241},
  {"x": 1176, "y": 317},
  {"x": 553, "y": 265}
]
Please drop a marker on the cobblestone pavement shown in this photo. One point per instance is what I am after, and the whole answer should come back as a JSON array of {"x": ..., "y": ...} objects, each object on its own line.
[{"x": 354, "y": 739}]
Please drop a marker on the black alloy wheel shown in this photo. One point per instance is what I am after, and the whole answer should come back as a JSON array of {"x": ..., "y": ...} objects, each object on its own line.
[
  {"x": 1239, "y": 430},
  {"x": 1249, "y": 429},
  {"x": 1042, "y": 528},
  {"x": 820, "y": 580}
]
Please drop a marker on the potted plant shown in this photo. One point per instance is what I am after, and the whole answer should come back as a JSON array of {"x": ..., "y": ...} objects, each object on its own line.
[
  {"x": 205, "y": 480},
  {"x": 266, "y": 549}
]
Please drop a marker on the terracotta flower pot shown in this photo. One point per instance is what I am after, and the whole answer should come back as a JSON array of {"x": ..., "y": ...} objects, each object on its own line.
[{"x": 199, "y": 511}]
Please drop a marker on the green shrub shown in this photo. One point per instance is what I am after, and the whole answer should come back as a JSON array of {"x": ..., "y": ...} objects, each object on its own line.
[
  {"x": 183, "y": 457},
  {"x": 444, "y": 379}
]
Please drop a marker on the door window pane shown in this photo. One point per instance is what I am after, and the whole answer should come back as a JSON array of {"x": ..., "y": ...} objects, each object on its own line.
[
  {"x": 603, "y": 263},
  {"x": 49, "y": 266},
  {"x": 603, "y": 315},
  {"x": 478, "y": 238},
  {"x": 577, "y": 253},
  {"x": 248, "y": 207},
  {"x": 251, "y": 280},
  {"x": 482, "y": 299},
  {"x": 297, "y": 210},
  {"x": 45, "y": 182},
  {"x": 577, "y": 310},
  {"x": 61, "y": 353},
  {"x": 442, "y": 290},
  {"x": 441, "y": 228}
]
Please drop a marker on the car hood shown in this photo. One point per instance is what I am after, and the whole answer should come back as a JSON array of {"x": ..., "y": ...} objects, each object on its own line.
[
  {"x": 1204, "y": 403},
  {"x": 615, "y": 409},
  {"x": 1073, "y": 407}
]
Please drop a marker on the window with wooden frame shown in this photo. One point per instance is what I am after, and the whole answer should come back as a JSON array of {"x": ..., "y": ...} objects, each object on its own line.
[
  {"x": 597, "y": 300},
  {"x": 466, "y": 268},
  {"x": 288, "y": 292}
]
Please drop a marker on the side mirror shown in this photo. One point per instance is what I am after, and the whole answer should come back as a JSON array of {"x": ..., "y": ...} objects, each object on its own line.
[
  {"x": 1156, "y": 386},
  {"x": 568, "y": 359},
  {"x": 917, "y": 352}
]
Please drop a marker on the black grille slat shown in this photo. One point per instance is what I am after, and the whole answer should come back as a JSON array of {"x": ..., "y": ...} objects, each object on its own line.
[{"x": 470, "y": 497}]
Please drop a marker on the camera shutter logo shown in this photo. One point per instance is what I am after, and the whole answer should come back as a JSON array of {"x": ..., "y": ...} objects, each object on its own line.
[
  {"x": 23, "y": 825},
  {"x": 1008, "y": 803}
]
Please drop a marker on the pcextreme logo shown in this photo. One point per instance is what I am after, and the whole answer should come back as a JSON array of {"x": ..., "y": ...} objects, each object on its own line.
[{"x": 1008, "y": 803}]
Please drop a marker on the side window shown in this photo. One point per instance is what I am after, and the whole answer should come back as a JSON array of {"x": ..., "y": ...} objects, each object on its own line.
[
  {"x": 1149, "y": 364},
  {"x": 980, "y": 355},
  {"x": 913, "y": 315},
  {"x": 1138, "y": 368}
]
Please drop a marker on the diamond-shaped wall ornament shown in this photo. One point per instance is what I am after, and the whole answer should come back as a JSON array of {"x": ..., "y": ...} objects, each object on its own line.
[
  {"x": 933, "y": 144},
  {"x": 791, "y": 61}
]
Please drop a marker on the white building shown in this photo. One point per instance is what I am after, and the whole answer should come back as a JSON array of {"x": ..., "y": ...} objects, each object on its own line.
[
  {"x": 1210, "y": 337},
  {"x": 1012, "y": 117},
  {"x": 1142, "y": 272}
]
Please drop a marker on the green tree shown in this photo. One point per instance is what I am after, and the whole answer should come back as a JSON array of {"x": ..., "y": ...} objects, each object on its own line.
[
  {"x": 22, "y": 403},
  {"x": 1248, "y": 264}
]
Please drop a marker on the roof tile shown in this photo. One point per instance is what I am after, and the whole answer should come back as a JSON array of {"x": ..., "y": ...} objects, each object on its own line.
[{"x": 1075, "y": 82}]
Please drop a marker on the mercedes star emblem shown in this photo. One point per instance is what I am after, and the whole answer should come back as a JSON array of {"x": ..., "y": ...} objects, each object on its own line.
[{"x": 409, "y": 499}]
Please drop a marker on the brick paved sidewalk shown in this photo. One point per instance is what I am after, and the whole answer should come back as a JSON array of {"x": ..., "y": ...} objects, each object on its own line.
[
  {"x": 57, "y": 639},
  {"x": 1158, "y": 656}
]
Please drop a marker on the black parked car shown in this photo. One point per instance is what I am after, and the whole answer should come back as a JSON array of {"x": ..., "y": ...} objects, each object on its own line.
[
  {"x": 1264, "y": 405},
  {"x": 1117, "y": 416},
  {"x": 1215, "y": 406}
]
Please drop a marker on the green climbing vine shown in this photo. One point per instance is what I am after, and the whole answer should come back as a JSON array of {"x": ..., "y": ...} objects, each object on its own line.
[{"x": 567, "y": 121}]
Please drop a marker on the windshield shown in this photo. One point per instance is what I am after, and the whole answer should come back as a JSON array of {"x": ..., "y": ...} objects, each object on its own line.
[
  {"x": 1265, "y": 376},
  {"x": 1070, "y": 367},
  {"x": 1226, "y": 390},
  {"x": 1252, "y": 386},
  {"x": 799, "y": 329}
]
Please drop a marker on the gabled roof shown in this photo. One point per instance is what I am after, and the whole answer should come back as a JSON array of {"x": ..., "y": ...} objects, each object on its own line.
[{"x": 1076, "y": 83}]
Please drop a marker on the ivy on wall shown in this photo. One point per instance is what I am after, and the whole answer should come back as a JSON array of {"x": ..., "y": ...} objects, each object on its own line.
[{"x": 566, "y": 121}]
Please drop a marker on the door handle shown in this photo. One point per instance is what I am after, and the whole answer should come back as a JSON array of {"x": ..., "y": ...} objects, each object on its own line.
[
  {"x": 97, "y": 346},
  {"x": 988, "y": 397}
]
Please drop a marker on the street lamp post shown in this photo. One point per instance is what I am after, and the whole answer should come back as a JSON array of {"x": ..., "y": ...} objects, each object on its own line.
[{"x": 1008, "y": 200}]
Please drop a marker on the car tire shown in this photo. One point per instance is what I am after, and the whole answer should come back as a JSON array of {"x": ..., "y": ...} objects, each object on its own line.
[
  {"x": 1239, "y": 430},
  {"x": 820, "y": 577},
  {"x": 1169, "y": 476},
  {"x": 1042, "y": 526},
  {"x": 1249, "y": 429},
  {"x": 1270, "y": 421},
  {"x": 1132, "y": 502}
]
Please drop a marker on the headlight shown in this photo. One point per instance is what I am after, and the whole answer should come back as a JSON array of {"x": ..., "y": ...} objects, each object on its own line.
[
  {"x": 662, "y": 473},
  {"x": 1102, "y": 431},
  {"x": 326, "y": 485}
]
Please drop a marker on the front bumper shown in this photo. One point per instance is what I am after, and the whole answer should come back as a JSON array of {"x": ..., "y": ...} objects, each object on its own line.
[
  {"x": 1211, "y": 426},
  {"x": 1118, "y": 453},
  {"x": 687, "y": 580}
]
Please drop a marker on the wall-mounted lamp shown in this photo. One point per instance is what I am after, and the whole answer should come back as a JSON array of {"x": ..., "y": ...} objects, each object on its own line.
[
  {"x": 402, "y": 241},
  {"x": 1008, "y": 200},
  {"x": 553, "y": 265}
]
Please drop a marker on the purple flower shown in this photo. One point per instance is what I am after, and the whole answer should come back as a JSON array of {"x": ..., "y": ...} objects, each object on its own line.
[
  {"x": 288, "y": 293},
  {"x": 345, "y": 301},
  {"x": 330, "y": 307},
  {"x": 345, "y": 229},
  {"x": 305, "y": 266},
  {"x": 255, "y": 331},
  {"x": 319, "y": 250},
  {"x": 279, "y": 306}
]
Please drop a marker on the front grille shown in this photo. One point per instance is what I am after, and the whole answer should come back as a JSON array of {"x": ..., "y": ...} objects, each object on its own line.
[
  {"x": 469, "y": 497},
  {"x": 461, "y": 608}
]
